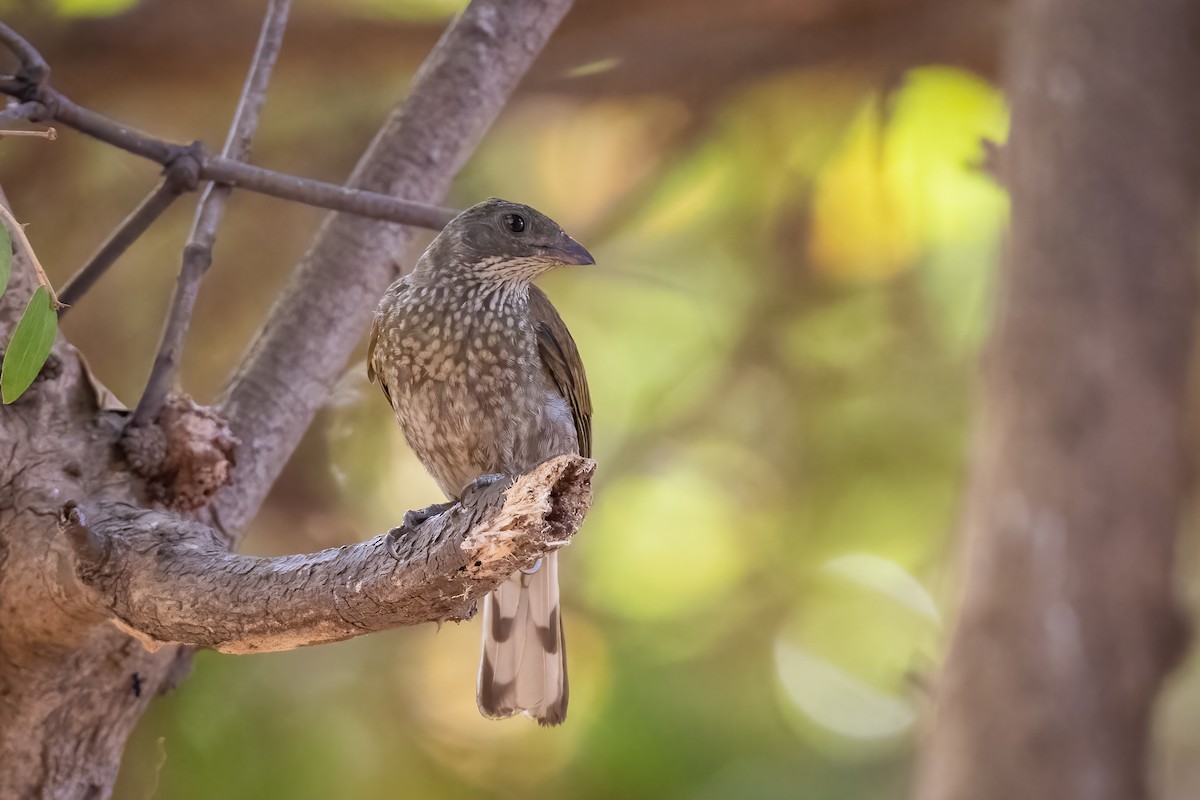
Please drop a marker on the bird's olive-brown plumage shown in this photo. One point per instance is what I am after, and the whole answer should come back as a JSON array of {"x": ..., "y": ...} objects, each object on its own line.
[{"x": 484, "y": 378}]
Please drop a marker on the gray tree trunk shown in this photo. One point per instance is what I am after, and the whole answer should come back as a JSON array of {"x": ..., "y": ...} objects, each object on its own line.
[{"x": 1068, "y": 624}]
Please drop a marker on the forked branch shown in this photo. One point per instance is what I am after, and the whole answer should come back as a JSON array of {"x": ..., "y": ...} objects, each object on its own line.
[
  {"x": 197, "y": 254},
  {"x": 129, "y": 231}
]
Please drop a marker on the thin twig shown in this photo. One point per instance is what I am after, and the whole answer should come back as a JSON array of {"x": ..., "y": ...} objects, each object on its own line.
[
  {"x": 50, "y": 134},
  {"x": 130, "y": 230},
  {"x": 197, "y": 254},
  {"x": 18, "y": 233},
  {"x": 326, "y": 195},
  {"x": 101, "y": 127},
  {"x": 226, "y": 170}
]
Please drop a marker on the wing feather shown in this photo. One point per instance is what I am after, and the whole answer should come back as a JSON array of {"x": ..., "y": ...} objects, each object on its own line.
[
  {"x": 371, "y": 374},
  {"x": 562, "y": 363}
]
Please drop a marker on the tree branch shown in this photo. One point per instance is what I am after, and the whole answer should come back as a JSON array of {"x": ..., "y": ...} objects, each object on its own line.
[
  {"x": 34, "y": 68},
  {"x": 197, "y": 254},
  {"x": 372, "y": 205},
  {"x": 166, "y": 580},
  {"x": 322, "y": 313},
  {"x": 216, "y": 168},
  {"x": 21, "y": 111}
]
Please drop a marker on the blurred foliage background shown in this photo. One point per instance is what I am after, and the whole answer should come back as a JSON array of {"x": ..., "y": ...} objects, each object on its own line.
[{"x": 795, "y": 260}]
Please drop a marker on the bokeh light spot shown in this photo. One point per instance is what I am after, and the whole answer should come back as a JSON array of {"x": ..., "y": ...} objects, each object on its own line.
[
  {"x": 837, "y": 700},
  {"x": 592, "y": 68},
  {"x": 677, "y": 551},
  {"x": 887, "y": 578},
  {"x": 903, "y": 180},
  {"x": 846, "y": 658},
  {"x": 516, "y": 752},
  {"x": 92, "y": 8}
]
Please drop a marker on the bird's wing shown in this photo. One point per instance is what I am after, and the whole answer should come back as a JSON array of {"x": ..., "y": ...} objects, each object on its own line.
[
  {"x": 562, "y": 363},
  {"x": 371, "y": 374}
]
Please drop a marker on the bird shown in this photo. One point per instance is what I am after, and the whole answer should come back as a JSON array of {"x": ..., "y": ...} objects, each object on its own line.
[{"x": 484, "y": 378}]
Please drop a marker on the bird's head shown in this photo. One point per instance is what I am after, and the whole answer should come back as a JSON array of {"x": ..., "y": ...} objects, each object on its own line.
[{"x": 502, "y": 242}]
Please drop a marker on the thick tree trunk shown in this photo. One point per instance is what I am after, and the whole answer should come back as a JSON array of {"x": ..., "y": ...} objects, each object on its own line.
[
  {"x": 77, "y": 604},
  {"x": 1068, "y": 624},
  {"x": 68, "y": 696}
]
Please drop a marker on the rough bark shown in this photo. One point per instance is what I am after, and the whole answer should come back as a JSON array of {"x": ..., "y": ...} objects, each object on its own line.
[
  {"x": 165, "y": 580},
  {"x": 72, "y": 683},
  {"x": 67, "y": 701},
  {"x": 1068, "y": 624},
  {"x": 75, "y": 671}
]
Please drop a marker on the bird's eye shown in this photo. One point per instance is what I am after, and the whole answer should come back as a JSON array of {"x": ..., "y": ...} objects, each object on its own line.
[{"x": 514, "y": 222}]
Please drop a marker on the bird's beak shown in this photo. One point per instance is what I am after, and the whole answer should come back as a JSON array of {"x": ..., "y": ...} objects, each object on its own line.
[{"x": 572, "y": 254}]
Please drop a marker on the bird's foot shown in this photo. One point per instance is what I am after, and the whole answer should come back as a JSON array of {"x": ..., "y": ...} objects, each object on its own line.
[
  {"x": 482, "y": 492},
  {"x": 411, "y": 520},
  {"x": 478, "y": 491}
]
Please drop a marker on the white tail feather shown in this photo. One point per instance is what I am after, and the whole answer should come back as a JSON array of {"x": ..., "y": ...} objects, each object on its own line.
[{"x": 523, "y": 667}]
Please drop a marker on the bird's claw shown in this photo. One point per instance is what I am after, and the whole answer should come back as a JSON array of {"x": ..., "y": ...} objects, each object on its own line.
[
  {"x": 416, "y": 516},
  {"x": 483, "y": 492},
  {"x": 412, "y": 519},
  {"x": 478, "y": 489}
]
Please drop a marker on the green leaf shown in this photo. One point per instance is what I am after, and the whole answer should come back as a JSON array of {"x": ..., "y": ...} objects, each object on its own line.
[
  {"x": 30, "y": 346},
  {"x": 5, "y": 258}
]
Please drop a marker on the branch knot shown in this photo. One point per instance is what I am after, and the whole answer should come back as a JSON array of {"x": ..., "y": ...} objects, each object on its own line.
[
  {"x": 186, "y": 455},
  {"x": 89, "y": 545},
  {"x": 182, "y": 171}
]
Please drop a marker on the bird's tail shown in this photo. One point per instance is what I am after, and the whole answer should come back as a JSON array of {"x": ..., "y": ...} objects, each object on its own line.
[{"x": 524, "y": 662}]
